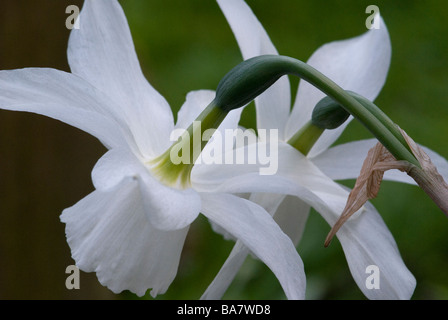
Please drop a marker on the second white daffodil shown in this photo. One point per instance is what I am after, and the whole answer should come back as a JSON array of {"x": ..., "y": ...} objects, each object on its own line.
[{"x": 359, "y": 64}]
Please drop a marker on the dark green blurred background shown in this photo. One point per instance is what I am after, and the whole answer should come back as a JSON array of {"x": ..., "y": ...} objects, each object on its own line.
[{"x": 185, "y": 45}]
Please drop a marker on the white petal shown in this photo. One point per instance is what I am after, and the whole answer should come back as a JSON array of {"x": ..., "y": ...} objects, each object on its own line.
[
  {"x": 102, "y": 52},
  {"x": 166, "y": 208},
  {"x": 113, "y": 167},
  {"x": 109, "y": 233},
  {"x": 291, "y": 216},
  {"x": 273, "y": 106},
  {"x": 64, "y": 97},
  {"x": 344, "y": 161},
  {"x": 258, "y": 231},
  {"x": 194, "y": 104},
  {"x": 367, "y": 242},
  {"x": 270, "y": 202},
  {"x": 237, "y": 178},
  {"x": 358, "y": 64},
  {"x": 289, "y": 212}
]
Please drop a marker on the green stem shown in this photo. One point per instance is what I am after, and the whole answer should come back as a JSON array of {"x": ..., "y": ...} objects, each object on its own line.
[
  {"x": 304, "y": 139},
  {"x": 377, "y": 123},
  {"x": 253, "y": 76},
  {"x": 380, "y": 115},
  {"x": 210, "y": 118}
]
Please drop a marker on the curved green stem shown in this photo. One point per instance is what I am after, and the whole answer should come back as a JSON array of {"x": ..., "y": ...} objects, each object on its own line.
[
  {"x": 380, "y": 115},
  {"x": 246, "y": 81}
]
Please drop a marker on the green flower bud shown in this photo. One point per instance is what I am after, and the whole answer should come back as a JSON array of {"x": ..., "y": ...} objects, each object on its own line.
[
  {"x": 249, "y": 79},
  {"x": 329, "y": 114}
]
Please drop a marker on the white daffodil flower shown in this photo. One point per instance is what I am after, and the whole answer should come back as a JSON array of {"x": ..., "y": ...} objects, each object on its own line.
[
  {"x": 131, "y": 229},
  {"x": 360, "y": 65}
]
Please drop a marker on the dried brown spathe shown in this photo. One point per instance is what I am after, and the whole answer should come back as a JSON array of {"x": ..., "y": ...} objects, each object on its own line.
[{"x": 379, "y": 160}]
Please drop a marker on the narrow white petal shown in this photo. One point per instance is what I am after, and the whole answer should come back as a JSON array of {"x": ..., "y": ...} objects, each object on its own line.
[
  {"x": 194, "y": 104},
  {"x": 64, "y": 97},
  {"x": 109, "y": 233},
  {"x": 273, "y": 106},
  {"x": 358, "y": 64},
  {"x": 344, "y": 161},
  {"x": 269, "y": 202},
  {"x": 102, "y": 52},
  {"x": 367, "y": 242},
  {"x": 289, "y": 212},
  {"x": 257, "y": 230},
  {"x": 292, "y": 215},
  {"x": 229, "y": 270}
]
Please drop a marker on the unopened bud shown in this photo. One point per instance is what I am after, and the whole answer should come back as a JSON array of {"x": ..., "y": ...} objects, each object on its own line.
[
  {"x": 328, "y": 114},
  {"x": 249, "y": 79}
]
